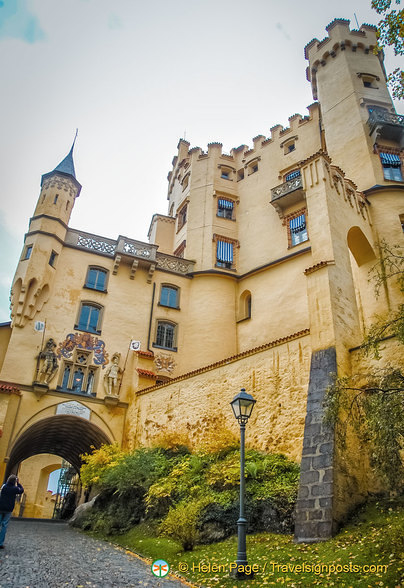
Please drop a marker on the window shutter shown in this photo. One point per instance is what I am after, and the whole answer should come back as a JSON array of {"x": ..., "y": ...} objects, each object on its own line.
[
  {"x": 390, "y": 159},
  {"x": 225, "y": 204},
  {"x": 225, "y": 252},
  {"x": 297, "y": 224}
]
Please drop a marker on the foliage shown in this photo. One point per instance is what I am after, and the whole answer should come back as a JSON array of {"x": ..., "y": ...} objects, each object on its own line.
[
  {"x": 96, "y": 464},
  {"x": 162, "y": 484},
  {"x": 390, "y": 33},
  {"x": 374, "y": 537},
  {"x": 373, "y": 402},
  {"x": 182, "y": 520}
]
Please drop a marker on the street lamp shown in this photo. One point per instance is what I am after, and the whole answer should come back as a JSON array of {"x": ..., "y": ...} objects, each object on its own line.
[{"x": 242, "y": 405}]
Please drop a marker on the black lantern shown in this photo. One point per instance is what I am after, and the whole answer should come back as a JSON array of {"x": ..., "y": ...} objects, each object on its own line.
[{"x": 242, "y": 406}]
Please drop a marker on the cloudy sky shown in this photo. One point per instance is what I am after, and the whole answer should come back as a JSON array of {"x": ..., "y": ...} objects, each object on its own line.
[{"x": 134, "y": 77}]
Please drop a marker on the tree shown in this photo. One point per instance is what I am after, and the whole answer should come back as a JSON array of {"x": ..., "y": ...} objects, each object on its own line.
[
  {"x": 391, "y": 33},
  {"x": 372, "y": 403}
]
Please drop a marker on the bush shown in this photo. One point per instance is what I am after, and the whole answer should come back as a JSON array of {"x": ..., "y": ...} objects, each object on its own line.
[
  {"x": 182, "y": 522},
  {"x": 193, "y": 496}
]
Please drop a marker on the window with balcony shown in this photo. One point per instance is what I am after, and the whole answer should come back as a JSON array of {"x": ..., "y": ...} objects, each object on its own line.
[
  {"x": 225, "y": 208},
  {"x": 292, "y": 175},
  {"x": 96, "y": 279},
  {"x": 180, "y": 251},
  {"x": 166, "y": 335},
  {"x": 90, "y": 316},
  {"x": 169, "y": 296},
  {"x": 297, "y": 230},
  {"x": 391, "y": 166}
]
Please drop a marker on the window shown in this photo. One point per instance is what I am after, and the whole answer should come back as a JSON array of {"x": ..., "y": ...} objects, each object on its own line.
[
  {"x": 180, "y": 251},
  {"x": 28, "y": 251},
  {"x": 225, "y": 174},
  {"x": 292, "y": 175},
  {"x": 169, "y": 296},
  {"x": 182, "y": 216},
  {"x": 55, "y": 199},
  {"x": 165, "y": 335},
  {"x": 298, "y": 230},
  {"x": 96, "y": 279},
  {"x": 225, "y": 208},
  {"x": 391, "y": 166},
  {"x": 224, "y": 254},
  {"x": 240, "y": 175},
  {"x": 89, "y": 318},
  {"x": 369, "y": 80},
  {"x": 252, "y": 167},
  {"x": 79, "y": 375},
  {"x": 52, "y": 258}
]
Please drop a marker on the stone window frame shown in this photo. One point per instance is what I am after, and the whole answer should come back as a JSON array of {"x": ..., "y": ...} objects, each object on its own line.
[
  {"x": 286, "y": 221},
  {"x": 99, "y": 269},
  {"x": 159, "y": 323},
  {"x": 100, "y": 309},
  {"x": 86, "y": 366},
  {"x": 236, "y": 247}
]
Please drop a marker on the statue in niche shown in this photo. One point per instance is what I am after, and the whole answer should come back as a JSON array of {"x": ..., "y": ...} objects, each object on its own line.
[
  {"x": 50, "y": 362},
  {"x": 111, "y": 376}
]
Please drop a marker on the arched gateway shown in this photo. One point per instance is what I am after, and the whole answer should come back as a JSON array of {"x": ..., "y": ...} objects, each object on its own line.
[{"x": 67, "y": 436}]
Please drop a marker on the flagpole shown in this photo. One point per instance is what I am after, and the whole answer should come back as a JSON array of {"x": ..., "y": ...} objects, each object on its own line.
[{"x": 124, "y": 366}]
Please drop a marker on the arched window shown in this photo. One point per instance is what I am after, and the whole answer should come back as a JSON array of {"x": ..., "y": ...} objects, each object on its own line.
[
  {"x": 169, "y": 296},
  {"x": 96, "y": 279},
  {"x": 89, "y": 318},
  {"x": 245, "y": 305},
  {"x": 166, "y": 335}
]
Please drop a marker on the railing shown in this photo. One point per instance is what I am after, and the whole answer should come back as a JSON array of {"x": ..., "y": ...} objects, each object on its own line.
[
  {"x": 174, "y": 264},
  {"x": 286, "y": 188},
  {"x": 124, "y": 246},
  {"x": 134, "y": 248},
  {"x": 383, "y": 117},
  {"x": 91, "y": 242}
]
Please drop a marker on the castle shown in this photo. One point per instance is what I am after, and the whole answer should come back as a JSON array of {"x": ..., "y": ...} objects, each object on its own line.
[{"x": 257, "y": 277}]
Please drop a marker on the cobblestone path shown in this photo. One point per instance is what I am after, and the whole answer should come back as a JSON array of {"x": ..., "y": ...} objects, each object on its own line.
[{"x": 52, "y": 555}]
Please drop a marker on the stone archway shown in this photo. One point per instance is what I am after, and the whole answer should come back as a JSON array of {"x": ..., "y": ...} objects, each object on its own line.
[{"x": 67, "y": 436}]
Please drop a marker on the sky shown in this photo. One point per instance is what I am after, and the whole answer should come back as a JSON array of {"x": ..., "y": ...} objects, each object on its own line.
[{"x": 134, "y": 77}]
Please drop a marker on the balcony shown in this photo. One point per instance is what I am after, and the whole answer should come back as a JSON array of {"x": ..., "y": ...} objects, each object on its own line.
[
  {"x": 287, "y": 194},
  {"x": 386, "y": 125}
]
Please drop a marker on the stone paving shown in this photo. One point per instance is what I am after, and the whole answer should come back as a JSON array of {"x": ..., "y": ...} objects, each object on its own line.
[{"x": 52, "y": 555}]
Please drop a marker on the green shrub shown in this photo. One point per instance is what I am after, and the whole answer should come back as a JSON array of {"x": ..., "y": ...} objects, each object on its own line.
[{"x": 182, "y": 522}]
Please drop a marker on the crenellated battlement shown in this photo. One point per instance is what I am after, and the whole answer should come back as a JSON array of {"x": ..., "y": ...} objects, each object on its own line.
[
  {"x": 278, "y": 135},
  {"x": 340, "y": 38}
]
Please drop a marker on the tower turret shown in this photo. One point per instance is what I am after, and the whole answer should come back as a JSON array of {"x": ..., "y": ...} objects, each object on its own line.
[
  {"x": 44, "y": 241},
  {"x": 349, "y": 80}
]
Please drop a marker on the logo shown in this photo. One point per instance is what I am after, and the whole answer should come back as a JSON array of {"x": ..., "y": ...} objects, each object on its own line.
[{"x": 160, "y": 568}]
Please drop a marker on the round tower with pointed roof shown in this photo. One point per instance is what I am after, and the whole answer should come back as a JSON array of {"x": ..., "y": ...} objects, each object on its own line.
[{"x": 34, "y": 277}]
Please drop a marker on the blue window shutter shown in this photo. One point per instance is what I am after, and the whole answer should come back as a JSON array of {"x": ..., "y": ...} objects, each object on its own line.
[
  {"x": 224, "y": 252},
  {"x": 225, "y": 204},
  {"x": 390, "y": 159},
  {"x": 297, "y": 224},
  {"x": 292, "y": 175}
]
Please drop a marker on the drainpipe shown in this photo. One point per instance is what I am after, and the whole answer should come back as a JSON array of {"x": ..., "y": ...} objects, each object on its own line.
[{"x": 151, "y": 318}]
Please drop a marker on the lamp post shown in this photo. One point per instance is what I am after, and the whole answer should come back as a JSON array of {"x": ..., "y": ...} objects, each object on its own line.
[{"x": 242, "y": 405}]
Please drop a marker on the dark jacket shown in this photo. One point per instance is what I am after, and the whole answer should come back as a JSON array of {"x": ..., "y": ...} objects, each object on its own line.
[{"x": 7, "y": 496}]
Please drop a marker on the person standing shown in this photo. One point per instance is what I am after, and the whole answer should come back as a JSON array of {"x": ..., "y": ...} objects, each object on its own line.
[{"x": 8, "y": 494}]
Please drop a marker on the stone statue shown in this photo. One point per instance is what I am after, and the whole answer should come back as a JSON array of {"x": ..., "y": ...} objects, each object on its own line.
[
  {"x": 50, "y": 362},
  {"x": 111, "y": 376}
]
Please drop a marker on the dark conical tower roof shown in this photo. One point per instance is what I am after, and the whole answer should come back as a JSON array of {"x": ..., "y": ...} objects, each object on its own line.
[
  {"x": 65, "y": 168},
  {"x": 67, "y": 165}
]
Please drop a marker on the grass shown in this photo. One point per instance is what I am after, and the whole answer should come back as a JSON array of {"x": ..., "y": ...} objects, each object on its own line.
[{"x": 373, "y": 537}]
